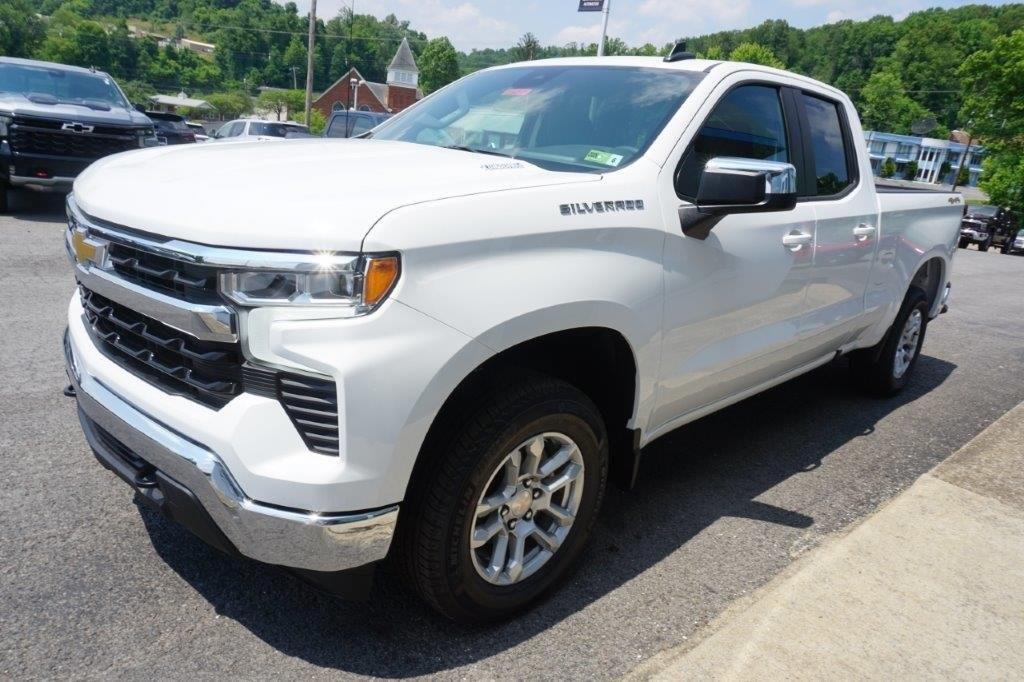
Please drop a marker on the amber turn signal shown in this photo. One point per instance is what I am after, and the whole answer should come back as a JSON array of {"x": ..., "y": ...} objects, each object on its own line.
[{"x": 380, "y": 275}]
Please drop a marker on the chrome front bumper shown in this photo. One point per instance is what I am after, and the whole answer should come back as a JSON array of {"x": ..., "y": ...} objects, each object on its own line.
[{"x": 307, "y": 540}]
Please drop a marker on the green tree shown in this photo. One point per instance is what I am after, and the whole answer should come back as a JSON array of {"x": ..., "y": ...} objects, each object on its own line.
[
  {"x": 317, "y": 121},
  {"x": 963, "y": 176},
  {"x": 755, "y": 53},
  {"x": 527, "y": 48},
  {"x": 886, "y": 107},
  {"x": 20, "y": 30},
  {"x": 910, "y": 171},
  {"x": 888, "y": 168},
  {"x": 439, "y": 65},
  {"x": 282, "y": 101},
  {"x": 230, "y": 104}
]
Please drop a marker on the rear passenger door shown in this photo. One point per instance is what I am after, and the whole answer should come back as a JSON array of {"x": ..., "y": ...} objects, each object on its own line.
[{"x": 846, "y": 212}]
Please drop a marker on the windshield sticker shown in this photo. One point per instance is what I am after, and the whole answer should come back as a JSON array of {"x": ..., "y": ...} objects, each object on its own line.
[
  {"x": 603, "y": 158},
  {"x": 517, "y": 92}
]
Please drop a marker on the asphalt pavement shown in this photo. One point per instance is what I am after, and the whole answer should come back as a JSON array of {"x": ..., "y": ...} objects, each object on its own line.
[{"x": 92, "y": 586}]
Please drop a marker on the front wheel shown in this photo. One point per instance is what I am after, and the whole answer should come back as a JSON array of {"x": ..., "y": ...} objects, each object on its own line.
[
  {"x": 964, "y": 243},
  {"x": 505, "y": 504},
  {"x": 983, "y": 246},
  {"x": 885, "y": 369}
]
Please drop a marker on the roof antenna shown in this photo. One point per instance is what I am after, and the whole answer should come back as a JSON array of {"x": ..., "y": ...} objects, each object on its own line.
[{"x": 679, "y": 53}]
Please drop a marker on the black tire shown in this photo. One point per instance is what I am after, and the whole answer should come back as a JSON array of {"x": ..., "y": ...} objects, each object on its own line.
[
  {"x": 433, "y": 536},
  {"x": 4, "y": 195},
  {"x": 874, "y": 368},
  {"x": 983, "y": 246},
  {"x": 964, "y": 243}
]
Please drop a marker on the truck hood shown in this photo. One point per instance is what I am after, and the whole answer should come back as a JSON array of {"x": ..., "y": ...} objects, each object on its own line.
[
  {"x": 290, "y": 194},
  {"x": 19, "y": 105}
]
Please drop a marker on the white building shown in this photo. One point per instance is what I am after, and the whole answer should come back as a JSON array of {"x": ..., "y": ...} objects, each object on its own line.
[{"x": 929, "y": 153}]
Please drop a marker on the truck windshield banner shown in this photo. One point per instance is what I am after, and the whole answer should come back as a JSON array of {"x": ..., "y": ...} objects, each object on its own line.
[{"x": 591, "y": 5}]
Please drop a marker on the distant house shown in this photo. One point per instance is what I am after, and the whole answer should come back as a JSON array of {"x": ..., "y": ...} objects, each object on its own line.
[
  {"x": 400, "y": 92},
  {"x": 173, "y": 103},
  {"x": 929, "y": 153},
  {"x": 168, "y": 41}
]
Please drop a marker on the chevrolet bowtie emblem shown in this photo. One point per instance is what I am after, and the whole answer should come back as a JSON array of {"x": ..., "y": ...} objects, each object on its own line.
[
  {"x": 77, "y": 127},
  {"x": 87, "y": 249}
]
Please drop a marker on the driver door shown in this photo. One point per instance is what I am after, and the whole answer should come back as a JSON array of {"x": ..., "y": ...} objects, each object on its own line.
[{"x": 734, "y": 300}]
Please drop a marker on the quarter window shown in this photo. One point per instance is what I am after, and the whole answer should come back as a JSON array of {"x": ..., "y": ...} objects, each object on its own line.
[
  {"x": 747, "y": 123},
  {"x": 829, "y": 152}
]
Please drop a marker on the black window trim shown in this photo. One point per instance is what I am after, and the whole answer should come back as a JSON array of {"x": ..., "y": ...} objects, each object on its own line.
[
  {"x": 790, "y": 122},
  {"x": 807, "y": 187}
]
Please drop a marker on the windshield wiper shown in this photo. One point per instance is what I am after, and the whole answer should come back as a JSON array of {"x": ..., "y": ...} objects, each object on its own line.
[{"x": 478, "y": 150}]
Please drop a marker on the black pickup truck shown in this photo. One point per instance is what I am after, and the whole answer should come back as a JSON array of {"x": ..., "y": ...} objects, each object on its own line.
[
  {"x": 56, "y": 119},
  {"x": 988, "y": 226}
]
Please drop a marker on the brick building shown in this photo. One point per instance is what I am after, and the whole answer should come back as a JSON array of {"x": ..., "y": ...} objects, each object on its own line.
[{"x": 400, "y": 92}]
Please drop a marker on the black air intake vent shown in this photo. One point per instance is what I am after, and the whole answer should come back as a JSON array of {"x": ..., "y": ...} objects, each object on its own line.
[{"x": 312, "y": 405}]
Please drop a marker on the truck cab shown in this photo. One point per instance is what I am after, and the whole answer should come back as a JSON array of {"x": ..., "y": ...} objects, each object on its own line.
[
  {"x": 56, "y": 119},
  {"x": 988, "y": 226},
  {"x": 440, "y": 342}
]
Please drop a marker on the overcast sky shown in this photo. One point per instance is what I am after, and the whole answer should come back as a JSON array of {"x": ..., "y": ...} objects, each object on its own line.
[{"x": 499, "y": 23}]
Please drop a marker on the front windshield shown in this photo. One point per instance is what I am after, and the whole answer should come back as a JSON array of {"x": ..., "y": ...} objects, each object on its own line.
[
  {"x": 580, "y": 118},
  {"x": 986, "y": 211},
  {"x": 57, "y": 86}
]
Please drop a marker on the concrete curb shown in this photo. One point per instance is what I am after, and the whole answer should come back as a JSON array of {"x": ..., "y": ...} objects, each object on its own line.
[{"x": 931, "y": 585}]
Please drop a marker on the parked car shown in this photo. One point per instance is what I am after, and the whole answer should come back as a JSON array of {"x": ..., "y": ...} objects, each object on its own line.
[
  {"x": 427, "y": 347},
  {"x": 199, "y": 130},
  {"x": 245, "y": 129},
  {"x": 987, "y": 226},
  {"x": 171, "y": 128},
  {"x": 353, "y": 123},
  {"x": 56, "y": 119},
  {"x": 1015, "y": 246}
]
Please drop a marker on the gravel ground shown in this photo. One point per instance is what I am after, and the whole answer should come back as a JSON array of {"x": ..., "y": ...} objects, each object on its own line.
[{"x": 90, "y": 585}]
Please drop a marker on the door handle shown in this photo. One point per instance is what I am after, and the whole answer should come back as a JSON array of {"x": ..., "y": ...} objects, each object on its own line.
[
  {"x": 863, "y": 232},
  {"x": 796, "y": 240}
]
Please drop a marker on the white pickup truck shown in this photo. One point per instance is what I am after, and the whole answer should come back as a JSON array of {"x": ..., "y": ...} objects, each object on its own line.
[{"x": 440, "y": 342}]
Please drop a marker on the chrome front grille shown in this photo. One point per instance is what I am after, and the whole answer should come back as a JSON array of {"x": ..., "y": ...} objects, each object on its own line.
[{"x": 208, "y": 372}]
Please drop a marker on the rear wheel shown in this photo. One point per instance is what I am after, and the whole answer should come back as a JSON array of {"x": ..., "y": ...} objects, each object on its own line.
[
  {"x": 505, "y": 504},
  {"x": 886, "y": 369},
  {"x": 5, "y": 190},
  {"x": 983, "y": 246}
]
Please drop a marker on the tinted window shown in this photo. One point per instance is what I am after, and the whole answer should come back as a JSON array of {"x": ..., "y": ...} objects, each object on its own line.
[
  {"x": 269, "y": 129},
  {"x": 581, "y": 118},
  {"x": 747, "y": 123},
  {"x": 336, "y": 128},
  {"x": 828, "y": 147},
  {"x": 362, "y": 124}
]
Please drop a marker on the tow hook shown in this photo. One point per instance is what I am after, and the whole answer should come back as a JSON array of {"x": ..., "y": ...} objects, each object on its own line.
[{"x": 69, "y": 391}]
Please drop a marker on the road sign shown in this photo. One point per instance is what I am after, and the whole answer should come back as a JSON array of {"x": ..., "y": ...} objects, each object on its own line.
[{"x": 591, "y": 5}]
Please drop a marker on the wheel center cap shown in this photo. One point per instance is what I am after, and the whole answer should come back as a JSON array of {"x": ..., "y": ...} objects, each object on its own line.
[{"x": 520, "y": 503}]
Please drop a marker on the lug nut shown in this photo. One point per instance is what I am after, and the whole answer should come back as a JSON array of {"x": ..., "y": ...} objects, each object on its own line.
[
  {"x": 527, "y": 483},
  {"x": 536, "y": 493},
  {"x": 504, "y": 510},
  {"x": 528, "y": 515},
  {"x": 512, "y": 524}
]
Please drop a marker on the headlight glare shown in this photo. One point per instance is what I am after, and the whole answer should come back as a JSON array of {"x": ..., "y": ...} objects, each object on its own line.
[{"x": 356, "y": 285}]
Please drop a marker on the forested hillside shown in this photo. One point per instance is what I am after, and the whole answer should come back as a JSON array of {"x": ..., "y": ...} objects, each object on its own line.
[{"x": 897, "y": 72}]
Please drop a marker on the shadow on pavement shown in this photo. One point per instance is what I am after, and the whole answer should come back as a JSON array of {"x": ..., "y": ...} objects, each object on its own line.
[
  {"x": 690, "y": 478},
  {"x": 36, "y": 207}
]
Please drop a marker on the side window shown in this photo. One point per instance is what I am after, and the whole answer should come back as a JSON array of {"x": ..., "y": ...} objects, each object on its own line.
[
  {"x": 233, "y": 129},
  {"x": 746, "y": 123},
  {"x": 829, "y": 154},
  {"x": 336, "y": 128},
  {"x": 223, "y": 131},
  {"x": 362, "y": 125}
]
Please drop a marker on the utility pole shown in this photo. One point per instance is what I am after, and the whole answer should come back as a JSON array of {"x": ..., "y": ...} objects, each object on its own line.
[
  {"x": 963, "y": 157},
  {"x": 604, "y": 30},
  {"x": 309, "y": 58},
  {"x": 295, "y": 78}
]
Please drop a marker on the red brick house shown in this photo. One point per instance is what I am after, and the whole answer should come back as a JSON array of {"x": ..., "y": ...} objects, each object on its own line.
[{"x": 400, "y": 92}]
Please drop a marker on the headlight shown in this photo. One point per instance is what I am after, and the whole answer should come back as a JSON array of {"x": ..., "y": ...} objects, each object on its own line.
[
  {"x": 354, "y": 284},
  {"x": 147, "y": 138},
  {"x": 5, "y": 121}
]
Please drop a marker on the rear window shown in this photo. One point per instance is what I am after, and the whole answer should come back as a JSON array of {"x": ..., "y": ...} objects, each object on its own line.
[
  {"x": 272, "y": 129},
  {"x": 830, "y": 154},
  {"x": 178, "y": 126}
]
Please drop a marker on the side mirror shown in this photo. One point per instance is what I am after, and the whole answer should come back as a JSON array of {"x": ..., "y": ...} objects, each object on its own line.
[{"x": 734, "y": 185}]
